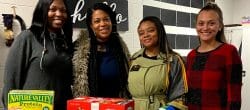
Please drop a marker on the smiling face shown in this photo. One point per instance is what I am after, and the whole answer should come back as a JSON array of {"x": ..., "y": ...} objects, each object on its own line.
[
  {"x": 148, "y": 34},
  {"x": 101, "y": 25},
  {"x": 56, "y": 15},
  {"x": 208, "y": 25}
]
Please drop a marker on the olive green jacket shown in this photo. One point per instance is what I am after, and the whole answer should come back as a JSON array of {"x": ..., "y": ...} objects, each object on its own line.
[{"x": 157, "y": 83}]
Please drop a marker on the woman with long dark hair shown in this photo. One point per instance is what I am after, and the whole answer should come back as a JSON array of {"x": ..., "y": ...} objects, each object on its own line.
[
  {"x": 157, "y": 76},
  {"x": 41, "y": 56},
  {"x": 101, "y": 58}
]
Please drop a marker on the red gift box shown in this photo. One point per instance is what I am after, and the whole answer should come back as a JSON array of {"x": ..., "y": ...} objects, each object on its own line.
[{"x": 98, "y": 103}]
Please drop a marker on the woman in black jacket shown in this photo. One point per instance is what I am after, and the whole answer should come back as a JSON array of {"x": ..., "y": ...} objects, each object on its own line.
[{"x": 101, "y": 58}]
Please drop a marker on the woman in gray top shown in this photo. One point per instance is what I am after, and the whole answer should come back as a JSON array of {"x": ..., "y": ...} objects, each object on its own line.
[{"x": 40, "y": 57}]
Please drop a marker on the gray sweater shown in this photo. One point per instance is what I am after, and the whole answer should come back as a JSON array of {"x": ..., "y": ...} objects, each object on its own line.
[{"x": 23, "y": 70}]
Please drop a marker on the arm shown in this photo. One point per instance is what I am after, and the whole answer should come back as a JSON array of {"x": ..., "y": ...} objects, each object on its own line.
[
  {"x": 234, "y": 80},
  {"x": 15, "y": 63},
  {"x": 177, "y": 83}
]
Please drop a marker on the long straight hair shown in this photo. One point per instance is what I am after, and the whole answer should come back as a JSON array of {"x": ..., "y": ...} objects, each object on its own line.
[
  {"x": 39, "y": 24},
  {"x": 115, "y": 45}
]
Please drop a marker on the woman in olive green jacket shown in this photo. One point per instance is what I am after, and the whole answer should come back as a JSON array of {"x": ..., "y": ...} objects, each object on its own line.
[{"x": 157, "y": 76}]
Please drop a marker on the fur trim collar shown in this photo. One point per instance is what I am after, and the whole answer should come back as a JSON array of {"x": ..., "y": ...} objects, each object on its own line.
[{"x": 80, "y": 65}]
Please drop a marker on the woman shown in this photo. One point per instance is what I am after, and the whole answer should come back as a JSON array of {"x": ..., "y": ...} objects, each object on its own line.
[
  {"x": 157, "y": 74},
  {"x": 214, "y": 68},
  {"x": 40, "y": 58},
  {"x": 101, "y": 58}
]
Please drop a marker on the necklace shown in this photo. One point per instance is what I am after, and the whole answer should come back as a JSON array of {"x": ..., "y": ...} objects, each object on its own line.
[{"x": 101, "y": 48}]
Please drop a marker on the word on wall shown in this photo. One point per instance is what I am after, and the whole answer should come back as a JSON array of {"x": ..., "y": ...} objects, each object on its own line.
[{"x": 78, "y": 11}]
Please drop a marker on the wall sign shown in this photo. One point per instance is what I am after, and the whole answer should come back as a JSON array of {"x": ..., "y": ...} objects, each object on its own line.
[{"x": 78, "y": 11}]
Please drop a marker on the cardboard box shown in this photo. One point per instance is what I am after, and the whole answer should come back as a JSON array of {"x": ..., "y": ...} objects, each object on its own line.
[
  {"x": 98, "y": 103},
  {"x": 30, "y": 100}
]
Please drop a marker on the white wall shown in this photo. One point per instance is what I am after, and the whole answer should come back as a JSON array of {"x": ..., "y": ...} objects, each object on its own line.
[
  {"x": 246, "y": 67},
  {"x": 234, "y": 10},
  {"x": 135, "y": 11},
  {"x": 24, "y": 8},
  {"x": 240, "y": 8},
  {"x": 227, "y": 10}
]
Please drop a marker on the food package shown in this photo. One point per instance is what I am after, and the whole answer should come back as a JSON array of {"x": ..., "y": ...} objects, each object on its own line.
[
  {"x": 98, "y": 103},
  {"x": 30, "y": 100}
]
